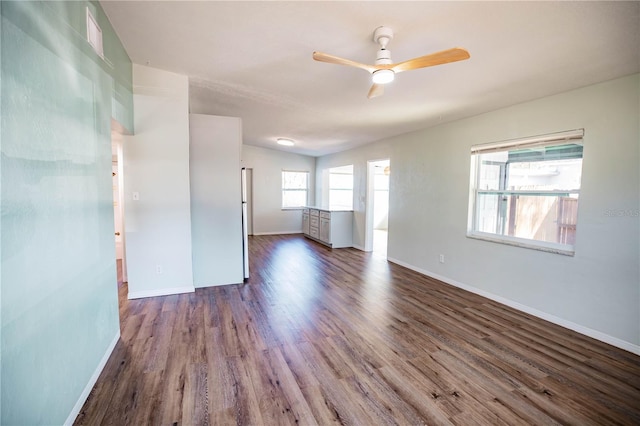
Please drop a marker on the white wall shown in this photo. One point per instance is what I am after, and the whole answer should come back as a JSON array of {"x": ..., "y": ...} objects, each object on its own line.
[
  {"x": 156, "y": 165},
  {"x": 597, "y": 291},
  {"x": 267, "y": 165},
  {"x": 216, "y": 200}
]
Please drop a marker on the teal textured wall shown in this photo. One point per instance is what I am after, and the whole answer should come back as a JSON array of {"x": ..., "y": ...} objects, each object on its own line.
[
  {"x": 58, "y": 298},
  {"x": 0, "y": 222}
]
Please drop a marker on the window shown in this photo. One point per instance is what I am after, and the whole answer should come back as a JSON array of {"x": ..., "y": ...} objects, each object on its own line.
[
  {"x": 94, "y": 34},
  {"x": 295, "y": 186},
  {"x": 525, "y": 192},
  {"x": 341, "y": 187}
]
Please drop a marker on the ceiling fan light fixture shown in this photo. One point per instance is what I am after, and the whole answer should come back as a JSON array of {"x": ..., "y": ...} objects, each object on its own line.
[
  {"x": 384, "y": 70},
  {"x": 285, "y": 142},
  {"x": 383, "y": 76}
]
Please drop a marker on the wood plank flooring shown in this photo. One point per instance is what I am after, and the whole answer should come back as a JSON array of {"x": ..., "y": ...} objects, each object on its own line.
[{"x": 343, "y": 337}]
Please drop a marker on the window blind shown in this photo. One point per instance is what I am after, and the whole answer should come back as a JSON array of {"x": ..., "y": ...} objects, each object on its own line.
[{"x": 561, "y": 138}]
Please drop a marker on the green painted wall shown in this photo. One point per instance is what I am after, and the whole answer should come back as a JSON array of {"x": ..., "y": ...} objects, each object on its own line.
[
  {"x": 58, "y": 298},
  {"x": 0, "y": 223}
]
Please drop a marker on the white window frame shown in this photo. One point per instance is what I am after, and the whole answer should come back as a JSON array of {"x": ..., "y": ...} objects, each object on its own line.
[
  {"x": 332, "y": 189},
  {"x": 306, "y": 190},
  {"x": 572, "y": 136},
  {"x": 94, "y": 34}
]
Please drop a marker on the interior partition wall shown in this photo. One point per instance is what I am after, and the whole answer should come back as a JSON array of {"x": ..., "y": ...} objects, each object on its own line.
[{"x": 59, "y": 307}]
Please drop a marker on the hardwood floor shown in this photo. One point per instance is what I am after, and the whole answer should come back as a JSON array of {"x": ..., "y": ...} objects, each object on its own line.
[{"x": 319, "y": 336}]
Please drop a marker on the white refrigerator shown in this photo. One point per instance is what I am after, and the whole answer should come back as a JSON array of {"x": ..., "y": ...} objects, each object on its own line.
[{"x": 245, "y": 226}]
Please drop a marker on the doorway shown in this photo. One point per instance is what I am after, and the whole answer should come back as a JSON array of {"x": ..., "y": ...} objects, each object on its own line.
[
  {"x": 377, "y": 216},
  {"x": 117, "y": 167}
]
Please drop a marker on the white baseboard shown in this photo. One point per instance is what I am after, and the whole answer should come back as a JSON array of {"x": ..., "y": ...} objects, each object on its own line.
[
  {"x": 160, "y": 292},
  {"x": 359, "y": 247},
  {"x": 278, "y": 233},
  {"x": 92, "y": 381},
  {"x": 598, "y": 335}
]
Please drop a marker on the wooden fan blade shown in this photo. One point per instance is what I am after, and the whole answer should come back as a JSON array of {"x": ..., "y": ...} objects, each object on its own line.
[
  {"x": 438, "y": 58},
  {"x": 325, "y": 57},
  {"x": 376, "y": 90}
]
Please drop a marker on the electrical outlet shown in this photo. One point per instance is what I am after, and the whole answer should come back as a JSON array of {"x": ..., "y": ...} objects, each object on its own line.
[
  {"x": 442, "y": 258},
  {"x": 158, "y": 269}
]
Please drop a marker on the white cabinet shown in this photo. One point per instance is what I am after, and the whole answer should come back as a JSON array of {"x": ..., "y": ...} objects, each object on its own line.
[
  {"x": 314, "y": 218},
  {"x": 313, "y": 232},
  {"x": 332, "y": 228},
  {"x": 325, "y": 230},
  {"x": 305, "y": 221}
]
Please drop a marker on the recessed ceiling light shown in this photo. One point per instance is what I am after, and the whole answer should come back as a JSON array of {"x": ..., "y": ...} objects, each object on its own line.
[{"x": 285, "y": 142}]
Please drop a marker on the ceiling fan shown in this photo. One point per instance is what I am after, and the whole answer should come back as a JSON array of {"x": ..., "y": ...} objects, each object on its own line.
[{"x": 384, "y": 70}]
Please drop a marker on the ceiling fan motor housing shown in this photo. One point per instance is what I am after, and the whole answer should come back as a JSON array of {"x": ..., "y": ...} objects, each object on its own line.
[
  {"x": 382, "y": 36},
  {"x": 383, "y": 57}
]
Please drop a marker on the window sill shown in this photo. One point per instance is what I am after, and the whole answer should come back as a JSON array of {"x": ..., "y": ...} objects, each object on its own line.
[{"x": 528, "y": 244}]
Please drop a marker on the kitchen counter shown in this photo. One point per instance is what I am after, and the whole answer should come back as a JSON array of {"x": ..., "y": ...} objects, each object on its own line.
[
  {"x": 331, "y": 227},
  {"x": 329, "y": 209}
]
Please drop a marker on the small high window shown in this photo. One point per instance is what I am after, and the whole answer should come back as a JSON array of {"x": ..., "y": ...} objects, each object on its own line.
[
  {"x": 295, "y": 186},
  {"x": 525, "y": 192},
  {"x": 94, "y": 34}
]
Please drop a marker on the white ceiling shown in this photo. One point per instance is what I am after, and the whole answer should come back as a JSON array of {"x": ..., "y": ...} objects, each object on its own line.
[{"x": 253, "y": 60}]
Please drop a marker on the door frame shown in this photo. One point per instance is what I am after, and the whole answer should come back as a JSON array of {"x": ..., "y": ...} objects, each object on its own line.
[
  {"x": 117, "y": 139},
  {"x": 370, "y": 195}
]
